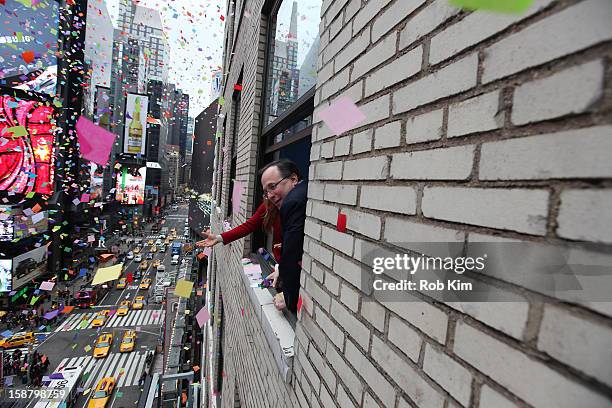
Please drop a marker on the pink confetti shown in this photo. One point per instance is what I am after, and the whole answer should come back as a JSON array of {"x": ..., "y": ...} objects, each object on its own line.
[{"x": 341, "y": 115}]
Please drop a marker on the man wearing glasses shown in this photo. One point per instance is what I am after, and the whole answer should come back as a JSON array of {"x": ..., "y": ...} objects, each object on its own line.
[{"x": 283, "y": 187}]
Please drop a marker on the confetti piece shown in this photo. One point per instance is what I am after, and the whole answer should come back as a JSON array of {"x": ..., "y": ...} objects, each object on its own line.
[
  {"x": 17, "y": 131},
  {"x": 341, "y": 223},
  {"x": 107, "y": 274},
  {"x": 87, "y": 348},
  {"x": 502, "y": 6},
  {"x": 95, "y": 143},
  {"x": 28, "y": 56},
  {"x": 183, "y": 288},
  {"x": 341, "y": 115},
  {"x": 202, "y": 316}
]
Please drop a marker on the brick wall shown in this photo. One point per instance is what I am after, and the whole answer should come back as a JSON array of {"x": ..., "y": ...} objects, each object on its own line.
[
  {"x": 246, "y": 366},
  {"x": 479, "y": 127}
]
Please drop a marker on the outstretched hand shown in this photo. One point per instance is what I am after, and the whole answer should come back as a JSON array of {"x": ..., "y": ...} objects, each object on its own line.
[{"x": 210, "y": 241}]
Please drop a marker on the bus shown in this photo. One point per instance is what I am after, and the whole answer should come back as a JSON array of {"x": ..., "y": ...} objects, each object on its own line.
[
  {"x": 176, "y": 248},
  {"x": 90, "y": 295},
  {"x": 64, "y": 382}
]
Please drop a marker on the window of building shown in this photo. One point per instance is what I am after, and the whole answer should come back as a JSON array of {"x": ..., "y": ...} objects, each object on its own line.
[
  {"x": 235, "y": 124},
  {"x": 291, "y": 55},
  {"x": 293, "y": 46}
]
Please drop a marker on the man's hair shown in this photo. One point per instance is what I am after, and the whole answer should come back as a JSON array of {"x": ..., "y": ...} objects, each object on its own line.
[{"x": 285, "y": 167}]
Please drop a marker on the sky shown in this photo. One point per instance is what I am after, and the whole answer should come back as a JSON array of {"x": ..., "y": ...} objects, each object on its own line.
[{"x": 194, "y": 29}]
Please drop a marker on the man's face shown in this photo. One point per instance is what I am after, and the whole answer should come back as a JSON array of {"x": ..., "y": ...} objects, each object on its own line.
[{"x": 272, "y": 177}]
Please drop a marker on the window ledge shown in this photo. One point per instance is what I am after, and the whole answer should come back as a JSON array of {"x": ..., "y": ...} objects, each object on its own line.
[{"x": 276, "y": 327}]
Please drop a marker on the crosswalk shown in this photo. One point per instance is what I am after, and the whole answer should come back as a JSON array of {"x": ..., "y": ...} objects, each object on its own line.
[
  {"x": 127, "y": 367},
  {"x": 83, "y": 321}
]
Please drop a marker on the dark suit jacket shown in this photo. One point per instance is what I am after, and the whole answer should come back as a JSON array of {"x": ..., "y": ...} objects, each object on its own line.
[{"x": 293, "y": 217}]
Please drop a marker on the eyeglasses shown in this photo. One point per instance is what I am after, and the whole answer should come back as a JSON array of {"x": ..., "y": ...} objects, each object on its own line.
[{"x": 272, "y": 186}]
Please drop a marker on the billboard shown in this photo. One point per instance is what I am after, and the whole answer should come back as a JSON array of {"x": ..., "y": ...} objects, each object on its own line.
[
  {"x": 27, "y": 156},
  {"x": 135, "y": 131},
  {"x": 29, "y": 265},
  {"x": 6, "y": 275},
  {"x": 6, "y": 229},
  {"x": 103, "y": 108},
  {"x": 130, "y": 186},
  {"x": 28, "y": 45}
]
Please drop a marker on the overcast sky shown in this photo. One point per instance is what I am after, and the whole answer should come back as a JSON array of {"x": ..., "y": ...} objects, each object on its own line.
[{"x": 195, "y": 33}]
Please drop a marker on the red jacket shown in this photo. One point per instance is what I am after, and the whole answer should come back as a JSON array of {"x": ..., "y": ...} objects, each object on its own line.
[{"x": 253, "y": 224}]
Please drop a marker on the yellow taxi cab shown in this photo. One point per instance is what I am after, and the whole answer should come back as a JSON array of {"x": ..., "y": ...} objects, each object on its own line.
[
  {"x": 136, "y": 250},
  {"x": 121, "y": 284},
  {"x": 138, "y": 302},
  {"x": 168, "y": 241},
  {"x": 17, "y": 339},
  {"x": 124, "y": 307},
  {"x": 100, "y": 318},
  {"x": 144, "y": 265},
  {"x": 103, "y": 345},
  {"x": 156, "y": 263},
  {"x": 173, "y": 231},
  {"x": 150, "y": 242},
  {"x": 145, "y": 283},
  {"x": 154, "y": 248},
  {"x": 102, "y": 393},
  {"x": 128, "y": 341}
]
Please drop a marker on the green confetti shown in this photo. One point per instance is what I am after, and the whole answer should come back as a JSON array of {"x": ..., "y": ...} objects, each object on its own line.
[
  {"x": 221, "y": 101},
  {"x": 502, "y": 6},
  {"x": 56, "y": 228},
  {"x": 19, "y": 36},
  {"x": 30, "y": 194},
  {"x": 18, "y": 131}
]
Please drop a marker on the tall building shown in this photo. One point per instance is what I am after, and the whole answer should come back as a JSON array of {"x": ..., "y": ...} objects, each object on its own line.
[
  {"x": 144, "y": 24},
  {"x": 285, "y": 73}
]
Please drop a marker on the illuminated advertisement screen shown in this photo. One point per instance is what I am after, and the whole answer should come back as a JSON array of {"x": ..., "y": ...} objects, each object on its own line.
[
  {"x": 29, "y": 265},
  {"x": 28, "y": 131},
  {"x": 6, "y": 275},
  {"x": 135, "y": 132},
  {"x": 103, "y": 108},
  {"x": 96, "y": 181},
  {"x": 7, "y": 229},
  {"x": 130, "y": 186},
  {"x": 28, "y": 45}
]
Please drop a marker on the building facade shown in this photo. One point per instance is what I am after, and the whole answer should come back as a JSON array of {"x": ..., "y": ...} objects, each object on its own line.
[{"x": 475, "y": 130}]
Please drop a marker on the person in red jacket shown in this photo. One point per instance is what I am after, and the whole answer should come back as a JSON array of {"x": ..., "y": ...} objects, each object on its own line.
[{"x": 266, "y": 217}]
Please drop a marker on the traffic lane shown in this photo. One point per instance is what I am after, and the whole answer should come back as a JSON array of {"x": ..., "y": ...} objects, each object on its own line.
[{"x": 116, "y": 364}]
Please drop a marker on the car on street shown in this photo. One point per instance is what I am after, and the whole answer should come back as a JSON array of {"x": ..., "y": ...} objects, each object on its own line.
[
  {"x": 128, "y": 342},
  {"x": 122, "y": 283},
  {"x": 124, "y": 308},
  {"x": 130, "y": 255},
  {"x": 153, "y": 249},
  {"x": 143, "y": 265},
  {"x": 162, "y": 249},
  {"x": 138, "y": 258},
  {"x": 145, "y": 283},
  {"x": 103, "y": 345},
  {"x": 156, "y": 263},
  {"x": 17, "y": 340},
  {"x": 168, "y": 241},
  {"x": 158, "y": 241},
  {"x": 100, "y": 318},
  {"x": 102, "y": 393},
  {"x": 149, "y": 255},
  {"x": 138, "y": 302},
  {"x": 136, "y": 251},
  {"x": 161, "y": 268},
  {"x": 150, "y": 242}
]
